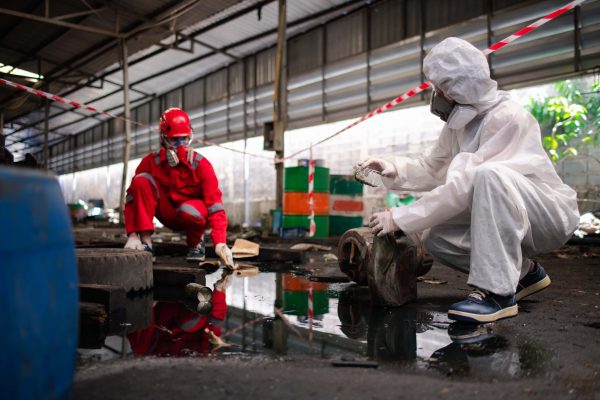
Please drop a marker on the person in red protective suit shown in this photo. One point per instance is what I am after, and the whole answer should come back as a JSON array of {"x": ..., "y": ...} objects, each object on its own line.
[
  {"x": 179, "y": 187},
  {"x": 175, "y": 330}
]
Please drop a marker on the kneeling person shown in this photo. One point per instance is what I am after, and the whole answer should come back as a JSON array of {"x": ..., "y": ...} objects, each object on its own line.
[{"x": 179, "y": 187}]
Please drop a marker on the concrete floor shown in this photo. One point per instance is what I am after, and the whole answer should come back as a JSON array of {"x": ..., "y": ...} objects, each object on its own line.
[{"x": 550, "y": 350}]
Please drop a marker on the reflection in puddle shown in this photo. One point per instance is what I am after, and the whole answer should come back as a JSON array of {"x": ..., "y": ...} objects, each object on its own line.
[{"x": 343, "y": 326}]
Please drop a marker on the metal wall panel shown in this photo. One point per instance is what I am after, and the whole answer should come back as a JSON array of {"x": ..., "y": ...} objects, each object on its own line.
[
  {"x": 173, "y": 99},
  {"x": 590, "y": 34},
  {"x": 354, "y": 78},
  {"x": 236, "y": 78},
  {"x": 387, "y": 23},
  {"x": 193, "y": 95},
  {"x": 346, "y": 88},
  {"x": 394, "y": 69},
  {"x": 305, "y": 98},
  {"x": 265, "y": 67},
  {"x": 305, "y": 52},
  {"x": 441, "y": 13},
  {"x": 544, "y": 53},
  {"x": 216, "y": 85},
  {"x": 346, "y": 36}
]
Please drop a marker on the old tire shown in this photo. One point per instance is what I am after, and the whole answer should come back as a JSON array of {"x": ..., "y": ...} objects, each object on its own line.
[{"x": 129, "y": 269}]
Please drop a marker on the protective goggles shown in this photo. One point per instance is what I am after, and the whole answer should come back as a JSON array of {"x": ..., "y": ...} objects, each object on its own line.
[{"x": 177, "y": 141}]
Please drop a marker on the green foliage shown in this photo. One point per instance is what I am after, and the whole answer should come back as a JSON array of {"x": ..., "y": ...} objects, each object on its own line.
[{"x": 569, "y": 121}]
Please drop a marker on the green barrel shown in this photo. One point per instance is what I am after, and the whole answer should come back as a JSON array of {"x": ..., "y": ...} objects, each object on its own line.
[
  {"x": 301, "y": 221},
  {"x": 345, "y": 204},
  {"x": 345, "y": 184},
  {"x": 339, "y": 225},
  {"x": 296, "y": 179},
  {"x": 296, "y": 303}
]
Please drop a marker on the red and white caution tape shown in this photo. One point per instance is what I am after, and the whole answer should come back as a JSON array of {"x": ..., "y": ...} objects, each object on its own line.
[
  {"x": 531, "y": 27},
  {"x": 310, "y": 317},
  {"x": 425, "y": 85},
  {"x": 64, "y": 100},
  {"x": 520, "y": 33},
  {"x": 245, "y": 325},
  {"x": 311, "y": 196}
]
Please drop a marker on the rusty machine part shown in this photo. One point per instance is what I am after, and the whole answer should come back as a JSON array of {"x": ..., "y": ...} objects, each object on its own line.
[
  {"x": 389, "y": 265},
  {"x": 354, "y": 252}
]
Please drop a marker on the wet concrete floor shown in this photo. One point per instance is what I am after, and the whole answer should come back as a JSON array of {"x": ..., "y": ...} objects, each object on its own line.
[{"x": 353, "y": 350}]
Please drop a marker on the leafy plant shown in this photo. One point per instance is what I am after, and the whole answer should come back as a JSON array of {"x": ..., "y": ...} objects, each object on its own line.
[{"x": 569, "y": 121}]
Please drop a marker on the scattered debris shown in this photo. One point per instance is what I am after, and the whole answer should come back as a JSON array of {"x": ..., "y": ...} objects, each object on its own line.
[
  {"x": 431, "y": 281},
  {"x": 215, "y": 340},
  {"x": 352, "y": 362},
  {"x": 330, "y": 257},
  {"x": 310, "y": 247},
  {"x": 588, "y": 224},
  {"x": 246, "y": 270},
  {"x": 244, "y": 249}
]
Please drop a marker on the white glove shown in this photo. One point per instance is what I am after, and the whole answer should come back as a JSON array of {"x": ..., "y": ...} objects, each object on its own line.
[
  {"x": 134, "y": 243},
  {"x": 382, "y": 223},
  {"x": 224, "y": 282},
  {"x": 225, "y": 254},
  {"x": 384, "y": 167}
]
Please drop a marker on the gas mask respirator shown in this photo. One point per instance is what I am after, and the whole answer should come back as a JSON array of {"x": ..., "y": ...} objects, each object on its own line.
[
  {"x": 455, "y": 115},
  {"x": 177, "y": 149}
]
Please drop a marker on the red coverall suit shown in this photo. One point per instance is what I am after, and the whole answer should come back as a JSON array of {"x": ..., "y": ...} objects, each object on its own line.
[
  {"x": 176, "y": 330},
  {"x": 183, "y": 198}
]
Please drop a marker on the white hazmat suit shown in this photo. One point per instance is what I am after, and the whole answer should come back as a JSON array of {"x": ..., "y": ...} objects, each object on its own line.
[{"x": 494, "y": 198}]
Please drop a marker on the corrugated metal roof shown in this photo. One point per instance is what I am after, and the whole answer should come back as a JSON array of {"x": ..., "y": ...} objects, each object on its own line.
[{"x": 148, "y": 59}]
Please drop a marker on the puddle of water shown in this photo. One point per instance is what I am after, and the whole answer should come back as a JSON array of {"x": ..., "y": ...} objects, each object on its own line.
[{"x": 344, "y": 327}]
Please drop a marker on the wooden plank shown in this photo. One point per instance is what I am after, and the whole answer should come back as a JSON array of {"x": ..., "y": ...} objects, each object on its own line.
[
  {"x": 177, "y": 276},
  {"x": 112, "y": 297},
  {"x": 114, "y": 300}
]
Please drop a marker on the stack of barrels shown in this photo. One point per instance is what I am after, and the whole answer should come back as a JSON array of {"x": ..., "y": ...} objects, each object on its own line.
[
  {"x": 346, "y": 204},
  {"x": 296, "y": 210}
]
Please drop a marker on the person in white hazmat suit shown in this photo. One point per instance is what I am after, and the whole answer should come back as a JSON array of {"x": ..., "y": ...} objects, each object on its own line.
[{"x": 494, "y": 198}]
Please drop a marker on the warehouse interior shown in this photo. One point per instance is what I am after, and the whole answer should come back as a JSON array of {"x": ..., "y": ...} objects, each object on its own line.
[{"x": 284, "y": 99}]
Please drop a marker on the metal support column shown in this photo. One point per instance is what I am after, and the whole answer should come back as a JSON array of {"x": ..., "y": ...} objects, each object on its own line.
[
  {"x": 127, "y": 125},
  {"x": 246, "y": 158},
  {"x": 280, "y": 101},
  {"x": 46, "y": 132}
]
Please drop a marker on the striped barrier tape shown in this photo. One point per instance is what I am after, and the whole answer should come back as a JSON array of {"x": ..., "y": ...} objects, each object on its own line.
[
  {"x": 310, "y": 317},
  {"x": 312, "y": 228},
  {"x": 423, "y": 86}
]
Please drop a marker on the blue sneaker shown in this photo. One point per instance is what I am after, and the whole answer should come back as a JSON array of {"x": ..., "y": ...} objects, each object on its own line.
[
  {"x": 196, "y": 254},
  {"x": 468, "y": 333},
  {"x": 533, "y": 282},
  {"x": 150, "y": 249},
  {"x": 481, "y": 306}
]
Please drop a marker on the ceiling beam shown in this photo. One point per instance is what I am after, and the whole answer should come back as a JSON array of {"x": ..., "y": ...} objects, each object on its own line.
[
  {"x": 223, "y": 49},
  {"x": 54, "y": 21}
]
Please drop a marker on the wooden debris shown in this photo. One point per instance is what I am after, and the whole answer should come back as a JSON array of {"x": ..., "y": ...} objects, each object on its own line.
[
  {"x": 310, "y": 247},
  {"x": 244, "y": 248},
  {"x": 246, "y": 271},
  {"x": 351, "y": 362},
  {"x": 431, "y": 281},
  {"x": 215, "y": 340},
  {"x": 330, "y": 257}
]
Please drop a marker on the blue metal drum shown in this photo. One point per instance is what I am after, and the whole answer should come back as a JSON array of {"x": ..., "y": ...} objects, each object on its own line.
[{"x": 38, "y": 288}]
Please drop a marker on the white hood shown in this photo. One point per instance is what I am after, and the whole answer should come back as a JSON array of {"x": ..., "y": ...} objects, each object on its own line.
[{"x": 462, "y": 73}]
